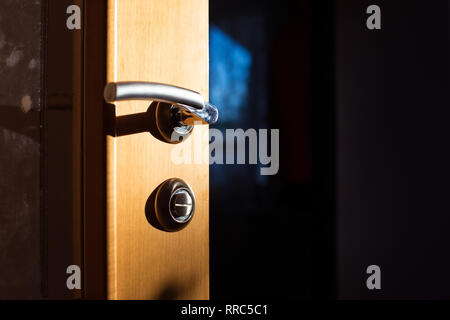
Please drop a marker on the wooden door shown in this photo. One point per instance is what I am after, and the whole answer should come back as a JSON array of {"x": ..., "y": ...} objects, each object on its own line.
[{"x": 162, "y": 41}]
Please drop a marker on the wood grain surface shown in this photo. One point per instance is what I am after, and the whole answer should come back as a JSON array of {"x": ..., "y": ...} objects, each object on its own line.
[{"x": 162, "y": 41}]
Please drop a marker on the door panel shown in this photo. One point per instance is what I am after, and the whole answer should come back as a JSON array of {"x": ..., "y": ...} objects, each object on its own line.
[{"x": 160, "y": 41}]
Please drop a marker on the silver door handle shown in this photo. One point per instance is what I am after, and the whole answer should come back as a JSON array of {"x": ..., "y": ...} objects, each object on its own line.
[{"x": 191, "y": 107}]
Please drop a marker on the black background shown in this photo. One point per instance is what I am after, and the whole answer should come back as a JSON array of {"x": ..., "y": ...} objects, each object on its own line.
[
  {"x": 393, "y": 177},
  {"x": 379, "y": 148}
]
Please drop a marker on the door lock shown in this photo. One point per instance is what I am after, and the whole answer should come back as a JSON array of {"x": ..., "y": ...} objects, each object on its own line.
[
  {"x": 174, "y": 204},
  {"x": 177, "y": 111}
]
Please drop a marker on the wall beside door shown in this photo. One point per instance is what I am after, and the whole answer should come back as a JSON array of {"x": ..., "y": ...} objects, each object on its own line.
[
  {"x": 20, "y": 149},
  {"x": 40, "y": 149}
]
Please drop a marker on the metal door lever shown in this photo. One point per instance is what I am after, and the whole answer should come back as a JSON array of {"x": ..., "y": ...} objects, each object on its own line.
[
  {"x": 188, "y": 101},
  {"x": 181, "y": 107}
]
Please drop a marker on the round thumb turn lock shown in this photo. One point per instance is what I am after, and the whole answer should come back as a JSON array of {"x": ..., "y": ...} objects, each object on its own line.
[{"x": 174, "y": 204}]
